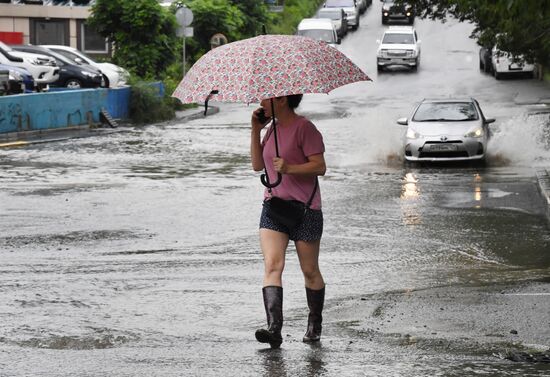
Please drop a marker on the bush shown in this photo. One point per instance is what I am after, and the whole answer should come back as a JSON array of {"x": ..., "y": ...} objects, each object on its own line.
[{"x": 148, "y": 106}]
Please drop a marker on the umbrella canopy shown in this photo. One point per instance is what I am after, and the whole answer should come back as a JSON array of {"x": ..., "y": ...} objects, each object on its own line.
[{"x": 267, "y": 66}]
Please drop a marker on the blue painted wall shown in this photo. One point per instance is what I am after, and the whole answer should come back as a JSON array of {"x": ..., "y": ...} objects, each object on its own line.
[{"x": 61, "y": 108}]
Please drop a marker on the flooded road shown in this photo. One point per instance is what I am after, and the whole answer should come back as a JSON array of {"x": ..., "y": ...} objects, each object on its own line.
[{"x": 136, "y": 253}]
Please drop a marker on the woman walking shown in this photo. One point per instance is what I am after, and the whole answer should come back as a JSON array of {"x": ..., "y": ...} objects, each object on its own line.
[{"x": 301, "y": 161}]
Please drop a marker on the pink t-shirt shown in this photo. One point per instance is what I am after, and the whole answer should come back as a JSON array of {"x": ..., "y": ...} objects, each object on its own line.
[{"x": 297, "y": 141}]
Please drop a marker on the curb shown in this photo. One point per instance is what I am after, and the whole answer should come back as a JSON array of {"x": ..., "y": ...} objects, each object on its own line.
[
  {"x": 543, "y": 178},
  {"x": 196, "y": 113}
]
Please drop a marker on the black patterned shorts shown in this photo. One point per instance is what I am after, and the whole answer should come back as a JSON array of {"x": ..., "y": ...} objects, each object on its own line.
[{"x": 310, "y": 229}]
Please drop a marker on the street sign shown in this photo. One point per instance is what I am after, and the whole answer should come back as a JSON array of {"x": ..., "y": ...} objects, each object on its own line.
[{"x": 184, "y": 16}]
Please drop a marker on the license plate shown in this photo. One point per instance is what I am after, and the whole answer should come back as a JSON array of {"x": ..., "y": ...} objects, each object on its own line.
[
  {"x": 515, "y": 67},
  {"x": 443, "y": 147}
]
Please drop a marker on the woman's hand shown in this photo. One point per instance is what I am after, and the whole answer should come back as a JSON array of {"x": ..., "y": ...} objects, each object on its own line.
[
  {"x": 280, "y": 165},
  {"x": 256, "y": 120}
]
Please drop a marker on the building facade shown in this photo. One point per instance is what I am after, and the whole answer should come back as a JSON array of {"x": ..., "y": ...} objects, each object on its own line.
[{"x": 50, "y": 22}]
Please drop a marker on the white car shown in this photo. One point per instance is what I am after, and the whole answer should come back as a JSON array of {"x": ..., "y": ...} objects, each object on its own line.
[
  {"x": 399, "y": 46},
  {"x": 504, "y": 63},
  {"x": 350, "y": 7},
  {"x": 114, "y": 75},
  {"x": 42, "y": 68},
  {"x": 320, "y": 29},
  {"x": 453, "y": 129},
  {"x": 338, "y": 17}
]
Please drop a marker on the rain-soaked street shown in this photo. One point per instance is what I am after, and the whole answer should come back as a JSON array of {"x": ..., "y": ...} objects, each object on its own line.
[{"x": 136, "y": 253}]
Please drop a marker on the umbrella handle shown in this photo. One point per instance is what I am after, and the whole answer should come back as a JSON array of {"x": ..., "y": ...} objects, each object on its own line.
[{"x": 265, "y": 180}]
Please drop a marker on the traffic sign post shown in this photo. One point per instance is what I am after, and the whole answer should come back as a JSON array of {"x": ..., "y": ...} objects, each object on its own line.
[{"x": 184, "y": 16}]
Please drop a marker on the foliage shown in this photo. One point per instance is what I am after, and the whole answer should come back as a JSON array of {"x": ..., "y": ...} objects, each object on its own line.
[
  {"x": 146, "y": 106},
  {"x": 143, "y": 32},
  {"x": 521, "y": 27},
  {"x": 293, "y": 12}
]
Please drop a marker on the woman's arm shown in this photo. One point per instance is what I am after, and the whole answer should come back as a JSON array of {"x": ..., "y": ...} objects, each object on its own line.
[{"x": 315, "y": 166}]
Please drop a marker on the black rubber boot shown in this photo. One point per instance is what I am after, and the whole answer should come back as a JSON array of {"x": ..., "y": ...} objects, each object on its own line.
[
  {"x": 273, "y": 303},
  {"x": 315, "y": 302}
]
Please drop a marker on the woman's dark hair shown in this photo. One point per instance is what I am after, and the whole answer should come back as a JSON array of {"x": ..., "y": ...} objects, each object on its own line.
[{"x": 294, "y": 100}]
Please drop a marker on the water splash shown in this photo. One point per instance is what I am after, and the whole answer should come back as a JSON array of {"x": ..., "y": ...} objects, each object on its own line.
[{"x": 523, "y": 140}]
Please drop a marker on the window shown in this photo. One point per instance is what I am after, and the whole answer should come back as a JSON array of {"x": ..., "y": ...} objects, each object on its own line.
[
  {"x": 92, "y": 41},
  {"x": 49, "y": 32}
]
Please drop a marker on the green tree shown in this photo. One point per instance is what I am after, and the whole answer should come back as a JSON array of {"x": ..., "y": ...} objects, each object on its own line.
[
  {"x": 256, "y": 15},
  {"x": 143, "y": 33},
  {"x": 521, "y": 27}
]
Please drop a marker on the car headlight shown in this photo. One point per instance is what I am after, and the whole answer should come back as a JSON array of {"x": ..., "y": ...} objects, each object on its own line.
[
  {"x": 478, "y": 132},
  {"x": 412, "y": 134},
  {"x": 13, "y": 75},
  {"x": 411, "y": 53},
  {"x": 89, "y": 74}
]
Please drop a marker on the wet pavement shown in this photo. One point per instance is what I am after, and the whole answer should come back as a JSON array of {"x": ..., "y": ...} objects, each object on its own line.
[{"x": 136, "y": 253}]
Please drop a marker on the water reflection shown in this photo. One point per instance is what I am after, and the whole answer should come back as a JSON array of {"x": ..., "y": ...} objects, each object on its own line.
[
  {"x": 410, "y": 193},
  {"x": 273, "y": 362},
  {"x": 477, "y": 190}
]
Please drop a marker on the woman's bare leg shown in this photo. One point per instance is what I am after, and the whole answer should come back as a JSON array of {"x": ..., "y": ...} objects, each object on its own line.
[
  {"x": 273, "y": 246},
  {"x": 308, "y": 254}
]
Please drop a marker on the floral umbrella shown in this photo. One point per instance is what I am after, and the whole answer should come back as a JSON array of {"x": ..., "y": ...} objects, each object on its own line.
[{"x": 267, "y": 66}]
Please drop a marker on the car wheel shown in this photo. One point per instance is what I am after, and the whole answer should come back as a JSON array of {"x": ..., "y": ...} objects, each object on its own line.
[
  {"x": 73, "y": 84},
  {"x": 481, "y": 66},
  {"x": 379, "y": 68},
  {"x": 497, "y": 75},
  {"x": 106, "y": 81},
  {"x": 384, "y": 20}
]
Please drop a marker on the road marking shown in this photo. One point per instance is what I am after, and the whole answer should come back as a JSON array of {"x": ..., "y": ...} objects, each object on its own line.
[{"x": 14, "y": 144}]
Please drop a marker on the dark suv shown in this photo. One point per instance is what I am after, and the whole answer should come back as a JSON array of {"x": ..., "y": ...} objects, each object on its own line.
[{"x": 397, "y": 11}]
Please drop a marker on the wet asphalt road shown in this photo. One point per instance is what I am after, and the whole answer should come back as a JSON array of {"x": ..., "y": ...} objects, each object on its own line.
[{"x": 136, "y": 253}]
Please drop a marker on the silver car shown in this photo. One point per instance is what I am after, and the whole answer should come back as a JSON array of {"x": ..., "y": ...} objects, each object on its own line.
[{"x": 446, "y": 130}]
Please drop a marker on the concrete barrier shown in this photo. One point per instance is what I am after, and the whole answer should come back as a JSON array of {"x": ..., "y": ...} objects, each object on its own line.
[{"x": 61, "y": 108}]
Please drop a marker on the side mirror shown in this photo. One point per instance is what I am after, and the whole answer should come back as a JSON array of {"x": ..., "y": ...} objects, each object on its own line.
[
  {"x": 419, "y": 41},
  {"x": 490, "y": 120},
  {"x": 403, "y": 121},
  {"x": 339, "y": 41}
]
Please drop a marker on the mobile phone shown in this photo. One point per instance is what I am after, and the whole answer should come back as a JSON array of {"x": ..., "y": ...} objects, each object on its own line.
[{"x": 261, "y": 116}]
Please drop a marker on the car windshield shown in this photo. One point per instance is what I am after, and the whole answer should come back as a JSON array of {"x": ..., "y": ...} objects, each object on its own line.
[
  {"x": 401, "y": 38},
  {"x": 445, "y": 111},
  {"x": 332, "y": 14},
  {"x": 340, "y": 3},
  {"x": 319, "y": 34},
  {"x": 72, "y": 57}
]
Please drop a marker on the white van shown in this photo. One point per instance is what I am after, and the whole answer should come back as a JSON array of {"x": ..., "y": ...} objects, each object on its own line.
[
  {"x": 505, "y": 63},
  {"x": 320, "y": 29}
]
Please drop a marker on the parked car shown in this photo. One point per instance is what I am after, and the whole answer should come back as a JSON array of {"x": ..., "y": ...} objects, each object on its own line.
[
  {"x": 504, "y": 63},
  {"x": 446, "y": 130},
  {"x": 391, "y": 11},
  {"x": 42, "y": 68},
  {"x": 71, "y": 75},
  {"x": 399, "y": 46},
  {"x": 114, "y": 75},
  {"x": 26, "y": 76},
  {"x": 11, "y": 82},
  {"x": 318, "y": 28},
  {"x": 338, "y": 17},
  {"x": 351, "y": 9}
]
